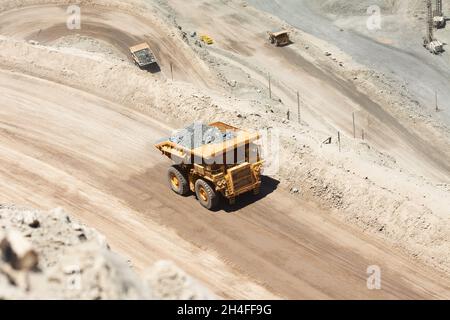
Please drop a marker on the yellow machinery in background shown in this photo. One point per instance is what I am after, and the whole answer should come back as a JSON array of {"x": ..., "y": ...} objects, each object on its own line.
[{"x": 206, "y": 39}]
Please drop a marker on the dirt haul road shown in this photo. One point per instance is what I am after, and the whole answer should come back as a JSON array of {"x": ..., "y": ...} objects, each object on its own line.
[
  {"x": 48, "y": 23},
  {"x": 63, "y": 147}
]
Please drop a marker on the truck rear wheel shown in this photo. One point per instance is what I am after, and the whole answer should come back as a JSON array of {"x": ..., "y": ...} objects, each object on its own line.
[
  {"x": 177, "y": 181},
  {"x": 206, "y": 195}
]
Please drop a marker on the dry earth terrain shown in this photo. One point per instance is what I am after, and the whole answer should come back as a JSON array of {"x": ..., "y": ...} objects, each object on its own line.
[{"x": 78, "y": 122}]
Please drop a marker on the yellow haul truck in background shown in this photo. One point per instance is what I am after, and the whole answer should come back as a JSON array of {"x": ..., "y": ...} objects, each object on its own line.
[
  {"x": 143, "y": 56},
  {"x": 213, "y": 160}
]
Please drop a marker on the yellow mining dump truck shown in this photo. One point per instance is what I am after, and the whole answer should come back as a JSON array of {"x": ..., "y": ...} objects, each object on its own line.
[
  {"x": 143, "y": 56},
  {"x": 213, "y": 160},
  {"x": 280, "y": 38}
]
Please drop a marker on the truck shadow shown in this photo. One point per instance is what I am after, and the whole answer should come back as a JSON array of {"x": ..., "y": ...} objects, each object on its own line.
[
  {"x": 268, "y": 185},
  {"x": 153, "y": 68},
  {"x": 285, "y": 44}
]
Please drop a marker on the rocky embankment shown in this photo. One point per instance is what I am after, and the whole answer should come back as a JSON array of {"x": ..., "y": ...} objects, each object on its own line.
[{"x": 48, "y": 255}]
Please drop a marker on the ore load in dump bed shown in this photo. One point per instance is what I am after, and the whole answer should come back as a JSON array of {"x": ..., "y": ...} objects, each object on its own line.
[
  {"x": 143, "y": 56},
  {"x": 280, "y": 38},
  {"x": 213, "y": 160}
]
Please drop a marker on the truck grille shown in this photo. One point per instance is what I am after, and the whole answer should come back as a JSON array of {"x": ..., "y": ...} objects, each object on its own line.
[{"x": 242, "y": 177}]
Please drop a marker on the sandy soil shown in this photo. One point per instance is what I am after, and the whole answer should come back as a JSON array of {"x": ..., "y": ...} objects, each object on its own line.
[{"x": 86, "y": 144}]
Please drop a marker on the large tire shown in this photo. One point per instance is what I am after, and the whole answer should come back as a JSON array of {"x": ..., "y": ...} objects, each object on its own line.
[
  {"x": 206, "y": 195},
  {"x": 178, "y": 181}
]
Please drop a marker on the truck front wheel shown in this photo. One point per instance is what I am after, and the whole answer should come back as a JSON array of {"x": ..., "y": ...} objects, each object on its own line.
[
  {"x": 177, "y": 181},
  {"x": 206, "y": 195}
]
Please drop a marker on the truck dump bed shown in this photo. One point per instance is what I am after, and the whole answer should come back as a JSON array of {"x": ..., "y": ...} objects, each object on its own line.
[
  {"x": 280, "y": 38},
  {"x": 204, "y": 142}
]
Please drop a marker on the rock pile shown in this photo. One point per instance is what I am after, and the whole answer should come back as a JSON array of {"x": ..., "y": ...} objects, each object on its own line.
[{"x": 51, "y": 256}]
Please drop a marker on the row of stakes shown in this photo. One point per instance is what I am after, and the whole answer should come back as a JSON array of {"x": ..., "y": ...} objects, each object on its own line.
[{"x": 329, "y": 140}]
